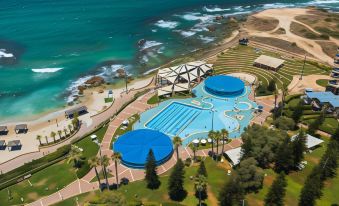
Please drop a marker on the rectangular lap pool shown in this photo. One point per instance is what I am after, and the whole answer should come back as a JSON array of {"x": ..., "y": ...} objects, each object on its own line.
[{"x": 174, "y": 118}]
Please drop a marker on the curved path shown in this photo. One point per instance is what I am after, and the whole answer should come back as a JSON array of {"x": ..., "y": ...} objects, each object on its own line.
[{"x": 84, "y": 184}]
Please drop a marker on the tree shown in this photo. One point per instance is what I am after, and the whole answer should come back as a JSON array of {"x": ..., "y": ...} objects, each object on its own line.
[
  {"x": 284, "y": 157},
  {"x": 329, "y": 161},
  {"x": 250, "y": 176},
  {"x": 177, "y": 142},
  {"x": 335, "y": 136},
  {"x": 53, "y": 134},
  {"x": 200, "y": 185},
  {"x": 202, "y": 169},
  {"x": 38, "y": 137},
  {"x": 271, "y": 86},
  {"x": 65, "y": 131},
  {"x": 151, "y": 177},
  {"x": 276, "y": 193},
  {"x": 74, "y": 155},
  {"x": 116, "y": 157},
  {"x": 261, "y": 143},
  {"x": 299, "y": 147},
  {"x": 176, "y": 189},
  {"x": 231, "y": 193},
  {"x": 194, "y": 149},
  {"x": 224, "y": 134},
  {"x": 217, "y": 137},
  {"x": 283, "y": 97},
  {"x": 211, "y": 135},
  {"x": 75, "y": 121},
  {"x": 284, "y": 123},
  {"x": 297, "y": 111},
  {"x": 70, "y": 128},
  {"x": 312, "y": 188},
  {"x": 59, "y": 132},
  {"x": 110, "y": 199},
  {"x": 46, "y": 138},
  {"x": 105, "y": 164},
  {"x": 93, "y": 162}
]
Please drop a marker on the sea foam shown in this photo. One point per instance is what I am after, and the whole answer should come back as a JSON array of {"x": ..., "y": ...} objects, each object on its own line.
[
  {"x": 149, "y": 44},
  {"x": 46, "y": 70},
  {"x": 167, "y": 24},
  {"x": 214, "y": 9}
]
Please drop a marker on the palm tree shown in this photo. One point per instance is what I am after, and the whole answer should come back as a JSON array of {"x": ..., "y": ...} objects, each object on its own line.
[
  {"x": 217, "y": 137},
  {"x": 46, "y": 138},
  {"x": 74, "y": 155},
  {"x": 105, "y": 163},
  {"x": 211, "y": 135},
  {"x": 93, "y": 162},
  {"x": 224, "y": 134},
  {"x": 194, "y": 149},
  {"x": 284, "y": 93},
  {"x": 177, "y": 142},
  {"x": 70, "y": 128},
  {"x": 53, "y": 134},
  {"x": 59, "y": 132},
  {"x": 38, "y": 137},
  {"x": 65, "y": 131},
  {"x": 200, "y": 185},
  {"x": 116, "y": 157}
]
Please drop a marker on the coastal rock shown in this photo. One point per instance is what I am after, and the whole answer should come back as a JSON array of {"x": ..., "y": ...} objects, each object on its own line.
[
  {"x": 81, "y": 89},
  {"x": 211, "y": 28},
  {"x": 141, "y": 42},
  {"x": 120, "y": 73},
  {"x": 95, "y": 81},
  {"x": 218, "y": 18}
]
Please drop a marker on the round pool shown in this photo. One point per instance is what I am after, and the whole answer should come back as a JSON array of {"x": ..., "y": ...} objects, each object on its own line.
[
  {"x": 224, "y": 86},
  {"x": 134, "y": 147}
]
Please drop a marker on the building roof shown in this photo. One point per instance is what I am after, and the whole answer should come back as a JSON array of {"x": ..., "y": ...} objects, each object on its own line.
[
  {"x": 21, "y": 126},
  {"x": 310, "y": 141},
  {"x": 234, "y": 155},
  {"x": 14, "y": 143},
  {"x": 75, "y": 110},
  {"x": 269, "y": 61},
  {"x": 324, "y": 97},
  {"x": 3, "y": 129}
]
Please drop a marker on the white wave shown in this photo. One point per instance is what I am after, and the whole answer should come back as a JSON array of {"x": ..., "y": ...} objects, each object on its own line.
[
  {"x": 3, "y": 54},
  {"x": 238, "y": 8},
  {"x": 195, "y": 16},
  {"x": 187, "y": 33},
  {"x": 149, "y": 44},
  {"x": 161, "y": 50},
  {"x": 73, "y": 88},
  {"x": 167, "y": 24},
  {"x": 324, "y": 2},
  {"x": 46, "y": 70},
  {"x": 154, "y": 30},
  {"x": 277, "y": 5},
  {"x": 206, "y": 39},
  {"x": 214, "y": 9},
  {"x": 144, "y": 59},
  {"x": 109, "y": 71},
  {"x": 150, "y": 71}
]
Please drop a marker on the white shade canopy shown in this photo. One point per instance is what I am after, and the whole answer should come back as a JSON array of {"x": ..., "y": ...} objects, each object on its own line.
[
  {"x": 196, "y": 141},
  {"x": 203, "y": 141}
]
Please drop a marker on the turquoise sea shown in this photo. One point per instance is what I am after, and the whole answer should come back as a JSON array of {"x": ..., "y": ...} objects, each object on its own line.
[{"x": 48, "y": 47}]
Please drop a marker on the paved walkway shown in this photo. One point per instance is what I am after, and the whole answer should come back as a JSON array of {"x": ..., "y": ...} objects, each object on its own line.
[{"x": 84, "y": 185}]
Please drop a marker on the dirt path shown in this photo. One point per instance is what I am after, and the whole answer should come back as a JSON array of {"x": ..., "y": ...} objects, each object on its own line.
[{"x": 286, "y": 16}]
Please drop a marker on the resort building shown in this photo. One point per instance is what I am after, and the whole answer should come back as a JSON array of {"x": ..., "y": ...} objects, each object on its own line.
[
  {"x": 319, "y": 99},
  {"x": 69, "y": 114},
  {"x": 182, "y": 77},
  {"x": 269, "y": 63},
  {"x": 333, "y": 86}
]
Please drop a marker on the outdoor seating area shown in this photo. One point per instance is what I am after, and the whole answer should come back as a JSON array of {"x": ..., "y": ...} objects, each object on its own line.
[
  {"x": 269, "y": 63},
  {"x": 3, "y": 130},
  {"x": 69, "y": 114},
  {"x": 21, "y": 128}
]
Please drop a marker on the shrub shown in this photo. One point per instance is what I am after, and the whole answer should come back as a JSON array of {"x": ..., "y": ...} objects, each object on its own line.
[
  {"x": 188, "y": 162},
  {"x": 83, "y": 170},
  {"x": 284, "y": 123}
]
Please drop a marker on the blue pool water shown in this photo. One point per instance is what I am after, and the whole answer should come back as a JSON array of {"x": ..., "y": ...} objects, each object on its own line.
[
  {"x": 174, "y": 118},
  {"x": 193, "y": 118}
]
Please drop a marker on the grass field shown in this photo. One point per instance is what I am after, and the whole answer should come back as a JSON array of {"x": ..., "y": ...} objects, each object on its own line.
[
  {"x": 51, "y": 179},
  {"x": 217, "y": 176},
  {"x": 241, "y": 58},
  {"x": 322, "y": 82}
]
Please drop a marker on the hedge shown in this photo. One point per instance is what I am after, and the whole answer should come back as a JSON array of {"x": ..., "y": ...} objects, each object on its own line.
[{"x": 293, "y": 96}]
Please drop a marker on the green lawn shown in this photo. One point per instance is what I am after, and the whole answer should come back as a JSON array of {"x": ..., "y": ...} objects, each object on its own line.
[
  {"x": 153, "y": 100},
  {"x": 49, "y": 180},
  {"x": 241, "y": 58},
  {"x": 295, "y": 181},
  {"x": 107, "y": 100},
  {"x": 134, "y": 118},
  {"x": 322, "y": 82},
  {"x": 217, "y": 176}
]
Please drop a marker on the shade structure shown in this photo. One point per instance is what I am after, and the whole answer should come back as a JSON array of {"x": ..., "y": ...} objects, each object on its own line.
[
  {"x": 134, "y": 147},
  {"x": 224, "y": 86}
]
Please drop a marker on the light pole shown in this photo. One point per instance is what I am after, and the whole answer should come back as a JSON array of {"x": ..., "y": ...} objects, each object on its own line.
[{"x": 125, "y": 79}]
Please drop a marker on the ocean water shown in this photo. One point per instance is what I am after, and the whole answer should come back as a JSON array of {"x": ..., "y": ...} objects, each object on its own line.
[{"x": 48, "y": 47}]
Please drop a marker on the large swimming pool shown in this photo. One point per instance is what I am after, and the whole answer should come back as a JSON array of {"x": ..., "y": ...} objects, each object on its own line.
[{"x": 193, "y": 118}]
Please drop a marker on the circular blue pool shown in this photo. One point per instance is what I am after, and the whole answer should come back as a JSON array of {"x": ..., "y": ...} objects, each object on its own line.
[
  {"x": 224, "y": 86},
  {"x": 134, "y": 147}
]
